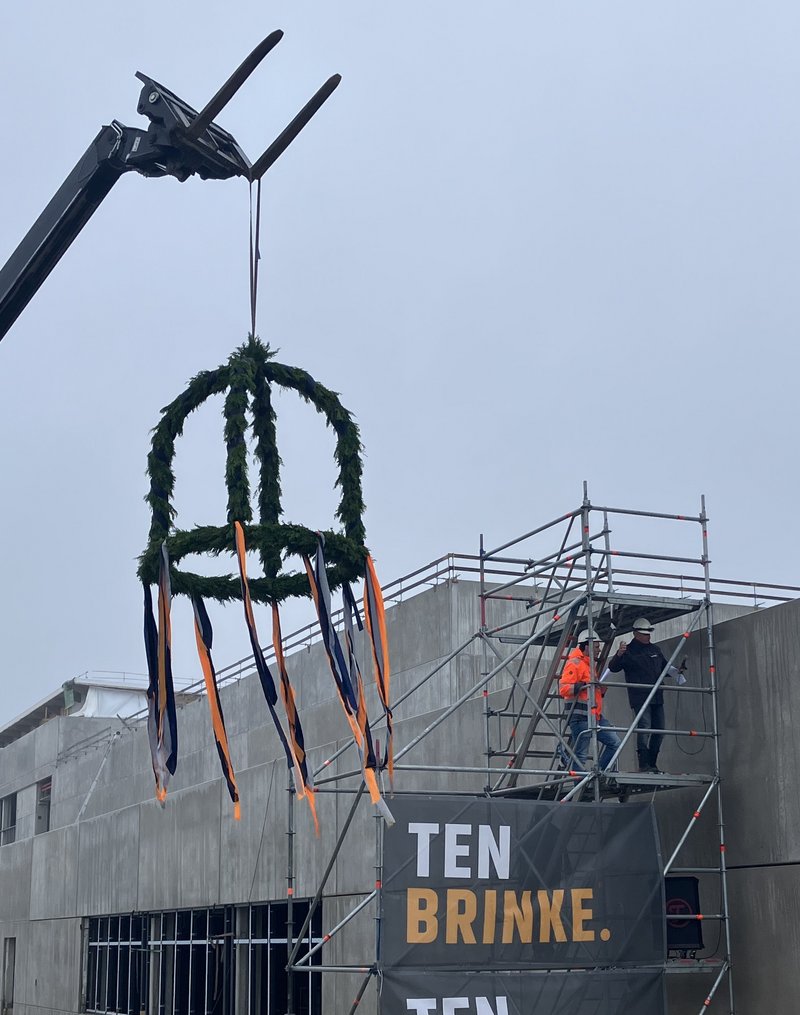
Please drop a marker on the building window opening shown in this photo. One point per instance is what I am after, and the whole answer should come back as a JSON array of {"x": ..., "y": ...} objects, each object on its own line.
[
  {"x": 116, "y": 965},
  {"x": 7, "y": 993},
  {"x": 217, "y": 961},
  {"x": 43, "y": 793},
  {"x": 8, "y": 819},
  {"x": 269, "y": 956}
]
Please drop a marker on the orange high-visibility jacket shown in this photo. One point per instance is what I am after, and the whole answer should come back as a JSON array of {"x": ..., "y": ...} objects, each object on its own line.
[{"x": 578, "y": 671}]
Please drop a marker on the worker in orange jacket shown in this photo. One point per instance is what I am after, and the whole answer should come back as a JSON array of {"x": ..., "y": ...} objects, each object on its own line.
[{"x": 574, "y": 688}]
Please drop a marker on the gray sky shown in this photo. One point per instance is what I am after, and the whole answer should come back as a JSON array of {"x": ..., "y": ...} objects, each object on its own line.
[{"x": 528, "y": 243}]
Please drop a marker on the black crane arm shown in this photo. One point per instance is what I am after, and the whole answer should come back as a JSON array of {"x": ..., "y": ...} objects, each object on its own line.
[
  {"x": 166, "y": 148},
  {"x": 179, "y": 142},
  {"x": 67, "y": 213}
]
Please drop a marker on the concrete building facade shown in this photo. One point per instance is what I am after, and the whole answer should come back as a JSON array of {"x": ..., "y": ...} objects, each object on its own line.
[{"x": 113, "y": 902}]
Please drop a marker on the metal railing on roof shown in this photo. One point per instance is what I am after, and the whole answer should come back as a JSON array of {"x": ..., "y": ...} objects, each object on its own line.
[{"x": 452, "y": 567}]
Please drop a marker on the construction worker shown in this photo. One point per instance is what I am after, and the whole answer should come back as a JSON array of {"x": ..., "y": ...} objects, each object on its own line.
[
  {"x": 574, "y": 688},
  {"x": 644, "y": 663}
]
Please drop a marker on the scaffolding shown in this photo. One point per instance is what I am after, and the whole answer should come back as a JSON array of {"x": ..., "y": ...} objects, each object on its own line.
[
  {"x": 592, "y": 568},
  {"x": 566, "y": 575}
]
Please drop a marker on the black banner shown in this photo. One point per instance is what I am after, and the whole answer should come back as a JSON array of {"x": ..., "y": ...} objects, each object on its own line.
[
  {"x": 632, "y": 992},
  {"x": 518, "y": 884}
]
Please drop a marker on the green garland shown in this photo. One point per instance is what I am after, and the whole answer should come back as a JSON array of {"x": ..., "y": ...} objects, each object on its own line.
[{"x": 247, "y": 378}]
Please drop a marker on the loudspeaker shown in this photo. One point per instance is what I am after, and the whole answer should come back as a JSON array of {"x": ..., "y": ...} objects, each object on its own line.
[{"x": 683, "y": 900}]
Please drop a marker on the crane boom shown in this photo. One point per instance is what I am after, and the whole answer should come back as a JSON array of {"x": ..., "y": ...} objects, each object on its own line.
[{"x": 179, "y": 142}]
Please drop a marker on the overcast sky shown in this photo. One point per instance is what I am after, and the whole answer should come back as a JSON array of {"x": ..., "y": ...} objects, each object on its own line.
[{"x": 529, "y": 243}]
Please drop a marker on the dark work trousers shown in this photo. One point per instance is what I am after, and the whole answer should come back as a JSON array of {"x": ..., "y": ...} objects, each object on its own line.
[{"x": 649, "y": 744}]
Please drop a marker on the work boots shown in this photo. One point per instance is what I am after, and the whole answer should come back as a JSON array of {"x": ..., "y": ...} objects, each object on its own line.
[
  {"x": 653, "y": 758},
  {"x": 647, "y": 763}
]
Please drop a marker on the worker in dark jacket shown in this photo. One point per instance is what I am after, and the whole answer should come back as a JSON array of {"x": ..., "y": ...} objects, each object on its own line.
[{"x": 644, "y": 663}]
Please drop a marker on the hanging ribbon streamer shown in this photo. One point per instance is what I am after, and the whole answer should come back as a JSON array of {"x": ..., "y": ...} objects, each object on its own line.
[
  {"x": 204, "y": 636},
  {"x": 320, "y": 590},
  {"x": 321, "y": 593},
  {"x": 264, "y": 675},
  {"x": 160, "y": 773},
  {"x": 162, "y": 725},
  {"x": 375, "y": 618},
  {"x": 351, "y": 610},
  {"x": 168, "y": 720},
  {"x": 289, "y": 703}
]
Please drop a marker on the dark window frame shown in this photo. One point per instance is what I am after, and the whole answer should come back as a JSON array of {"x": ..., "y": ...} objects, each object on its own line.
[
  {"x": 44, "y": 792},
  {"x": 8, "y": 819},
  {"x": 7, "y": 975},
  {"x": 201, "y": 961}
]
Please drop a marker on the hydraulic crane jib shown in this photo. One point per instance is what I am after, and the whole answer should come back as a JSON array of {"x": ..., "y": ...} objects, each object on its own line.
[{"x": 179, "y": 142}]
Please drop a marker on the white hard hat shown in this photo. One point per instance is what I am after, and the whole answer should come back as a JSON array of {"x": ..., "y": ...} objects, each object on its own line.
[
  {"x": 584, "y": 637},
  {"x": 642, "y": 624}
]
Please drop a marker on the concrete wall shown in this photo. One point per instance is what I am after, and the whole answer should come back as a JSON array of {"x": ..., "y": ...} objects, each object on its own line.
[
  {"x": 759, "y": 701},
  {"x": 113, "y": 849}
]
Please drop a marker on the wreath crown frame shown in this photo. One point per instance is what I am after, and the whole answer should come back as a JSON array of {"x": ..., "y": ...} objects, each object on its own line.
[{"x": 247, "y": 378}]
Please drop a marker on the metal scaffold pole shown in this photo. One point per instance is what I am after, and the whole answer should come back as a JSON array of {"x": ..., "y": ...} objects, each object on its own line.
[
  {"x": 378, "y": 891},
  {"x": 290, "y": 795},
  {"x": 712, "y": 670},
  {"x": 487, "y": 711},
  {"x": 594, "y": 692}
]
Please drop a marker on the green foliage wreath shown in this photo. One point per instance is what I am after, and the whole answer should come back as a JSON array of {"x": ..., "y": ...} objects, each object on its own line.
[{"x": 247, "y": 378}]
